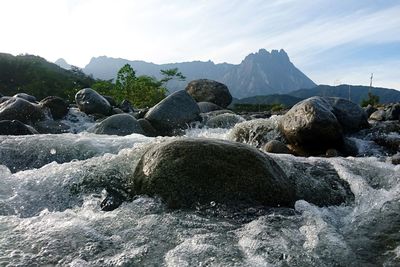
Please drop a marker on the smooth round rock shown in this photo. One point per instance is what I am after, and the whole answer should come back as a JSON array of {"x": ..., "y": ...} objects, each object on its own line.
[
  {"x": 187, "y": 172},
  {"x": 208, "y": 106},
  {"x": 91, "y": 102},
  {"x": 118, "y": 124},
  {"x": 204, "y": 90},
  {"x": 147, "y": 128},
  {"x": 224, "y": 121},
  {"x": 173, "y": 112},
  {"x": 21, "y": 110},
  {"x": 14, "y": 127},
  {"x": 277, "y": 147},
  {"x": 58, "y": 107},
  {"x": 311, "y": 123},
  {"x": 351, "y": 116},
  {"x": 27, "y": 97}
]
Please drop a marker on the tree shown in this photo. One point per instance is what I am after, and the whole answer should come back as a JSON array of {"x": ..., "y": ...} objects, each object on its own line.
[
  {"x": 372, "y": 100},
  {"x": 142, "y": 91},
  {"x": 170, "y": 74}
]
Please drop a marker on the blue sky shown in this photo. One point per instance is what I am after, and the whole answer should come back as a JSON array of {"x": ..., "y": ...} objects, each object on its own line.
[{"x": 331, "y": 41}]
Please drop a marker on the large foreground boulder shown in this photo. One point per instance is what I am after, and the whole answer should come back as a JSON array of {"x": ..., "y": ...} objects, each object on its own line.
[
  {"x": 21, "y": 110},
  {"x": 186, "y": 172},
  {"x": 173, "y": 112},
  {"x": 8, "y": 127},
  {"x": 58, "y": 107},
  {"x": 311, "y": 123},
  {"x": 91, "y": 102},
  {"x": 204, "y": 90},
  {"x": 119, "y": 124}
]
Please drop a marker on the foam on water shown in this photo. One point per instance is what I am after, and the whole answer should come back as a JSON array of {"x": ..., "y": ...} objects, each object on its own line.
[{"x": 50, "y": 216}]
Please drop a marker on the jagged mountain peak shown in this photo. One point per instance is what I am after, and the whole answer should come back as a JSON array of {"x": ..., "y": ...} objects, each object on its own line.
[
  {"x": 260, "y": 73},
  {"x": 63, "y": 63}
]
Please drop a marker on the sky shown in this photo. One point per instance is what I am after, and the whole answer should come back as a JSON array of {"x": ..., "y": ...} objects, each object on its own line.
[{"x": 331, "y": 41}]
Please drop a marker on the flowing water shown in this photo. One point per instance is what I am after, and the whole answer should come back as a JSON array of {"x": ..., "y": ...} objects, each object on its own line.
[{"x": 51, "y": 187}]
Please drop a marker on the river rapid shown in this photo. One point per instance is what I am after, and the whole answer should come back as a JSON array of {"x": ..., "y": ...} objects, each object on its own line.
[{"x": 51, "y": 187}]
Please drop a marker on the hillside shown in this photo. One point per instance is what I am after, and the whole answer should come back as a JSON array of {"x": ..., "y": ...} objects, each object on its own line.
[
  {"x": 285, "y": 100},
  {"x": 34, "y": 75},
  {"x": 261, "y": 73},
  {"x": 355, "y": 93}
]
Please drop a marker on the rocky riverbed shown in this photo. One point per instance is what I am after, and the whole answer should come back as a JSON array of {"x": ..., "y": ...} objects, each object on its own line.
[{"x": 190, "y": 183}]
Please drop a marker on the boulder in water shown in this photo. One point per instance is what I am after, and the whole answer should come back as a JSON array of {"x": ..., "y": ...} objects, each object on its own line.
[
  {"x": 393, "y": 113},
  {"x": 378, "y": 115},
  {"x": 275, "y": 146},
  {"x": 187, "y": 172},
  {"x": 21, "y": 110},
  {"x": 91, "y": 102},
  {"x": 147, "y": 127},
  {"x": 51, "y": 127},
  {"x": 207, "y": 107},
  {"x": 173, "y": 112},
  {"x": 204, "y": 90},
  {"x": 226, "y": 120},
  {"x": 119, "y": 124},
  {"x": 110, "y": 100},
  {"x": 351, "y": 116},
  {"x": 311, "y": 123},
  {"x": 14, "y": 127},
  {"x": 27, "y": 97},
  {"x": 257, "y": 132},
  {"x": 57, "y": 106}
]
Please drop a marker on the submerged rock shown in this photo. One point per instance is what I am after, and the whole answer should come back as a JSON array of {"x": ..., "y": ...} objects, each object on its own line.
[
  {"x": 190, "y": 171},
  {"x": 21, "y": 110},
  {"x": 58, "y": 107},
  {"x": 208, "y": 106},
  {"x": 119, "y": 124},
  {"x": 91, "y": 102},
  {"x": 226, "y": 120},
  {"x": 173, "y": 112},
  {"x": 204, "y": 90},
  {"x": 14, "y": 127},
  {"x": 257, "y": 132},
  {"x": 275, "y": 146}
]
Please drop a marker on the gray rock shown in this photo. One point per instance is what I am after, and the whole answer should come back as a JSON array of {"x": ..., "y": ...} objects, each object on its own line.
[
  {"x": 256, "y": 132},
  {"x": 277, "y": 147},
  {"x": 188, "y": 172},
  {"x": 311, "y": 123},
  {"x": 224, "y": 121},
  {"x": 110, "y": 100},
  {"x": 379, "y": 115},
  {"x": 126, "y": 106},
  {"x": 58, "y": 107},
  {"x": 351, "y": 116},
  {"x": 393, "y": 113},
  {"x": 396, "y": 159},
  {"x": 119, "y": 124},
  {"x": 51, "y": 127},
  {"x": 21, "y": 110},
  {"x": 116, "y": 111},
  {"x": 369, "y": 110},
  {"x": 204, "y": 90},
  {"x": 208, "y": 106},
  {"x": 147, "y": 127},
  {"x": 27, "y": 97},
  {"x": 5, "y": 98},
  {"x": 316, "y": 182},
  {"x": 91, "y": 102},
  {"x": 14, "y": 127},
  {"x": 173, "y": 112}
]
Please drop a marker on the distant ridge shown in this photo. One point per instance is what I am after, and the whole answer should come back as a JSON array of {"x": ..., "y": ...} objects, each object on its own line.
[
  {"x": 260, "y": 73},
  {"x": 355, "y": 93},
  {"x": 62, "y": 63}
]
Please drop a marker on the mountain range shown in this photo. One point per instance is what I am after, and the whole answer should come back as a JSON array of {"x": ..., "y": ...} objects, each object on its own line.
[{"x": 260, "y": 73}]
